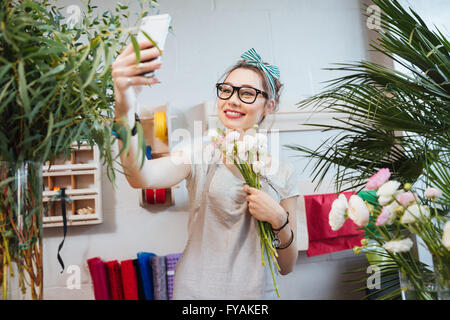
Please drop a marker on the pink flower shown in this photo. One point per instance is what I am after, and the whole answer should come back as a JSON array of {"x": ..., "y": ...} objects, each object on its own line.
[
  {"x": 378, "y": 179},
  {"x": 406, "y": 198},
  {"x": 432, "y": 193},
  {"x": 383, "y": 217}
]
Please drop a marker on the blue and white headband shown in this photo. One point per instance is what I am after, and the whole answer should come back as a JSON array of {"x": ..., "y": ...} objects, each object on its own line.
[{"x": 251, "y": 57}]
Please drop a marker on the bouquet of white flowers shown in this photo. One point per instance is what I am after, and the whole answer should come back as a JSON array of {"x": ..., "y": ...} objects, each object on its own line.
[{"x": 249, "y": 156}]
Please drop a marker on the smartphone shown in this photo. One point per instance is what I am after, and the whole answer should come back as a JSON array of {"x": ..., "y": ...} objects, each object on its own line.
[{"x": 157, "y": 27}]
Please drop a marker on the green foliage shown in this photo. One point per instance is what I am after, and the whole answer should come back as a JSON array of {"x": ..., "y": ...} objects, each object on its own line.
[
  {"x": 55, "y": 79},
  {"x": 390, "y": 119}
]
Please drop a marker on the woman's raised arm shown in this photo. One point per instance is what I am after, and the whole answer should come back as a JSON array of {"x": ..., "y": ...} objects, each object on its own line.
[{"x": 156, "y": 173}]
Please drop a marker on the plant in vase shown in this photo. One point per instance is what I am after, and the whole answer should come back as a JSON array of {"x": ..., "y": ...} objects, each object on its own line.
[
  {"x": 249, "y": 156},
  {"x": 56, "y": 89},
  {"x": 389, "y": 118},
  {"x": 398, "y": 214}
]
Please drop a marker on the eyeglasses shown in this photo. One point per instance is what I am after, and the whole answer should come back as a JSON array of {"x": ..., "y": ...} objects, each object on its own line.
[{"x": 245, "y": 94}]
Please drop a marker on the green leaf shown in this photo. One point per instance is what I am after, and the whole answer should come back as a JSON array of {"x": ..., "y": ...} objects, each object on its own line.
[
  {"x": 94, "y": 65},
  {"x": 23, "y": 91},
  {"x": 4, "y": 69},
  {"x": 136, "y": 48},
  {"x": 152, "y": 41}
]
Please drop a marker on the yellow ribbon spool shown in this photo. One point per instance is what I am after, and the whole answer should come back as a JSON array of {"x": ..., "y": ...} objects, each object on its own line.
[{"x": 160, "y": 125}]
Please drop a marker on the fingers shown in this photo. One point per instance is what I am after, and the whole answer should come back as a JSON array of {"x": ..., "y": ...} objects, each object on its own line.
[
  {"x": 144, "y": 44},
  {"x": 136, "y": 69},
  {"x": 249, "y": 189},
  {"x": 130, "y": 59},
  {"x": 123, "y": 82}
]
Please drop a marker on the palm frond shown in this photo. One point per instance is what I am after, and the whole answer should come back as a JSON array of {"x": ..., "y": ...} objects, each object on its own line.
[{"x": 390, "y": 119}]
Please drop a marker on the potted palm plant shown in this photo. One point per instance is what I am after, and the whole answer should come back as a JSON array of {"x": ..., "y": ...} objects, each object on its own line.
[
  {"x": 56, "y": 89},
  {"x": 394, "y": 119}
]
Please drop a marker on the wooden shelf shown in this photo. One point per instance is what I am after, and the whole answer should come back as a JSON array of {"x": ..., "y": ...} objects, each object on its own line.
[
  {"x": 160, "y": 148},
  {"x": 65, "y": 167},
  {"x": 81, "y": 177}
]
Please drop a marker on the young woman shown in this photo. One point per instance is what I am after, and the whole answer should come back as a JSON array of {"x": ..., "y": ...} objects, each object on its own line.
[{"x": 222, "y": 257}]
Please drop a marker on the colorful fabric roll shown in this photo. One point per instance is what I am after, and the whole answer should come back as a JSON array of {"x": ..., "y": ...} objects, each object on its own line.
[
  {"x": 129, "y": 280},
  {"x": 99, "y": 278},
  {"x": 159, "y": 277},
  {"x": 146, "y": 272},
  {"x": 160, "y": 125},
  {"x": 171, "y": 261},
  {"x": 115, "y": 280},
  {"x": 150, "y": 196},
  {"x": 140, "y": 287},
  {"x": 148, "y": 152},
  {"x": 160, "y": 196}
]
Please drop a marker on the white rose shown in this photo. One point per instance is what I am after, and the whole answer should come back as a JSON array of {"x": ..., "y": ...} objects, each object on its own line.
[
  {"x": 249, "y": 142},
  {"x": 241, "y": 150},
  {"x": 414, "y": 212},
  {"x": 240, "y": 147},
  {"x": 340, "y": 203},
  {"x": 386, "y": 191},
  {"x": 384, "y": 200},
  {"x": 396, "y": 246},
  {"x": 230, "y": 149},
  {"x": 261, "y": 142},
  {"x": 259, "y": 166},
  {"x": 262, "y": 148},
  {"x": 432, "y": 193},
  {"x": 232, "y": 136},
  {"x": 358, "y": 211},
  {"x": 261, "y": 138},
  {"x": 213, "y": 135},
  {"x": 392, "y": 214},
  {"x": 336, "y": 217},
  {"x": 446, "y": 235}
]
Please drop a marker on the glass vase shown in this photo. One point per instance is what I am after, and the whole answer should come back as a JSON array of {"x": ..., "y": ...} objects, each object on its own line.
[
  {"x": 422, "y": 288},
  {"x": 442, "y": 276},
  {"x": 21, "y": 271}
]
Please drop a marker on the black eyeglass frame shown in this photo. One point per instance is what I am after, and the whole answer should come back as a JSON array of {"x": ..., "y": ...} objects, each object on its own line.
[{"x": 264, "y": 94}]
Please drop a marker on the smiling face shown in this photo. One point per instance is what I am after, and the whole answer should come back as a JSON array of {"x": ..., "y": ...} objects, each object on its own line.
[{"x": 234, "y": 113}]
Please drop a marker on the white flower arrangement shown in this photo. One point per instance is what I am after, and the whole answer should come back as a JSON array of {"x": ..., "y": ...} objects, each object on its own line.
[
  {"x": 386, "y": 220},
  {"x": 248, "y": 154}
]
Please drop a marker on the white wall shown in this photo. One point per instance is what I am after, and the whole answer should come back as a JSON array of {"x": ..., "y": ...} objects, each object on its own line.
[{"x": 301, "y": 37}]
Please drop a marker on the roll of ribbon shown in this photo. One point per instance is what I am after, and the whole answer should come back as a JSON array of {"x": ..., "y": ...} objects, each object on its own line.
[
  {"x": 160, "y": 125},
  {"x": 150, "y": 196},
  {"x": 160, "y": 195},
  {"x": 148, "y": 152}
]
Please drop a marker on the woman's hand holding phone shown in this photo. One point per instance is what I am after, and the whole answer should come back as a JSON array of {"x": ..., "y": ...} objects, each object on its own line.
[{"x": 126, "y": 72}]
